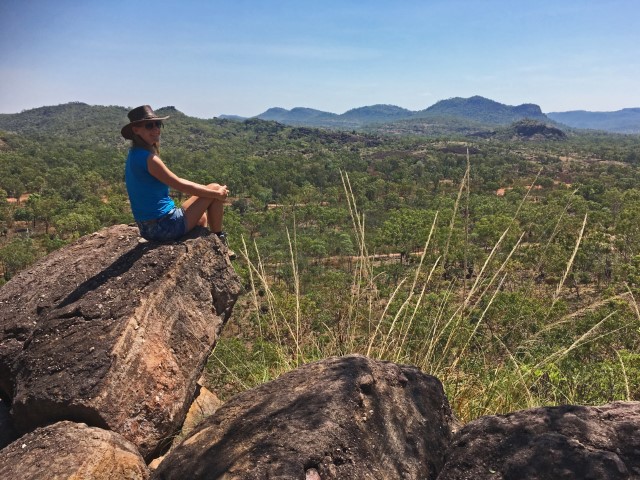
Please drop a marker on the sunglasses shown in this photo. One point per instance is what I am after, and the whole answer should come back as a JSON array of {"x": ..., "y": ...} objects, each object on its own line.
[{"x": 151, "y": 125}]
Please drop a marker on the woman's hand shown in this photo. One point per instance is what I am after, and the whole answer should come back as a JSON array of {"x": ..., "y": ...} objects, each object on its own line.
[{"x": 221, "y": 190}]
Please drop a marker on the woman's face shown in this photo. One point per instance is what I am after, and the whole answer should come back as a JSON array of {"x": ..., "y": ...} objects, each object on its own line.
[{"x": 149, "y": 131}]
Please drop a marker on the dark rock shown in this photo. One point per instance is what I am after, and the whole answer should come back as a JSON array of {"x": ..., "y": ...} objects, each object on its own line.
[
  {"x": 114, "y": 332},
  {"x": 340, "y": 418},
  {"x": 7, "y": 432},
  {"x": 72, "y": 451},
  {"x": 568, "y": 442},
  {"x": 530, "y": 129}
]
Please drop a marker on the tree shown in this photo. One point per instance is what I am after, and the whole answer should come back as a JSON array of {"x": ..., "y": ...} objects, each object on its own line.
[
  {"x": 16, "y": 255},
  {"x": 43, "y": 208},
  {"x": 405, "y": 230},
  {"x": 4, "y": 206},
  {"x": 76, "y": 224}
]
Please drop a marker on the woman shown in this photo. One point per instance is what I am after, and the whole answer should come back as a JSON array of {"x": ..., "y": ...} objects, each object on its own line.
[{"x": 148, "y": 180}]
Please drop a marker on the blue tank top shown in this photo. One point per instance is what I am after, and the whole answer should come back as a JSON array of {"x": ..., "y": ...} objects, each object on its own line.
[{"x": 149, "y": 197}]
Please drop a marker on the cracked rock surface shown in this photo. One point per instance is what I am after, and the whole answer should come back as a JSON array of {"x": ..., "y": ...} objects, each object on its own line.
[{"x": 114, "y": 332}]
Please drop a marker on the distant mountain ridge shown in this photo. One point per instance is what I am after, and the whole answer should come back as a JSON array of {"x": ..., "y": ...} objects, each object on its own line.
[
  {"x": 468, "y": 112},
  {"x": 356, "y": 116},
  {"x": 475, "y": 116},
  {"x": 298, "y": 114},
  {"x": 626, "y": 120},
  {"x": 483, "y": 110},
  {"x": 476, "y": 109}
]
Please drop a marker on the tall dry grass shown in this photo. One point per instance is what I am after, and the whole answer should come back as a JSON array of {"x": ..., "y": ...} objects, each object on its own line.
[{"x": 452, "y": 341}]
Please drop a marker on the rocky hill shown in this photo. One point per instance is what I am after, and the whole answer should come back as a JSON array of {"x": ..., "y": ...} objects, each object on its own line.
[
  {"x": 298, "y": 116},
  {"x": 483, "y": 110},
  {"x": 526, "y": 130},
  {"x": 62, "y": 119}
]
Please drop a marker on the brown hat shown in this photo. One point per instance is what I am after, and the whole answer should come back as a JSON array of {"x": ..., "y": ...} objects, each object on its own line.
[{"x": 139, "y": 114}]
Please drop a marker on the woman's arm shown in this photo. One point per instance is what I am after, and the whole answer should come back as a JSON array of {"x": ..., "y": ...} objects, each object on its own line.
[{"x": 159, "y": 170}]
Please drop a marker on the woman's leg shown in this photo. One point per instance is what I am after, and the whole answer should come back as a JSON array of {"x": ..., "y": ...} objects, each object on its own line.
[
  {"x": 202, "y": 211},
  {"x": 215, "y": 212}
]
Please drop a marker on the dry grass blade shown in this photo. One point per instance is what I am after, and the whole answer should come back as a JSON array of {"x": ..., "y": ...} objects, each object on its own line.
[
  {"x": 296, "y": 283},
  {"x": 464, "y": 181},
  {"x": 570, "y": 264},
  {"x": 624, "y": 375},
  {"x": 581, "y": 312},
  {"x": 387, "y": 342},
  {"x": 382, "y": 317},
  {"x": 521, "y": 376},
  {"x": 415, "y": 310},
  {"x": 477, "y": 325},
  {"x": 436, "y": 333},
  {"x": 582, "y": 340}
]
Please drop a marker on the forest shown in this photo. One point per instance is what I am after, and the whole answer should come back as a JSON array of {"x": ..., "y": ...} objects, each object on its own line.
[{"x": 506, "y": 265}]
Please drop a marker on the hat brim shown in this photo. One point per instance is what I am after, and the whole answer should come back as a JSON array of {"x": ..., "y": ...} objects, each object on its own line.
[{"x": 127, "y": 130}]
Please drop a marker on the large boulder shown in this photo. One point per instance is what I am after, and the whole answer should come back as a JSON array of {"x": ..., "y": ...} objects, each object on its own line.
[
  {"x": 114, "y": 332},
  {"x": 568, "y": 442},
  {"x": 68, "y": 450},
  {"x": 340, "y": 418}
]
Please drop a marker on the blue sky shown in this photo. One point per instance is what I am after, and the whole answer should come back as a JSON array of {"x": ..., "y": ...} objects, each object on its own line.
[{"x": 241, "y": 57}]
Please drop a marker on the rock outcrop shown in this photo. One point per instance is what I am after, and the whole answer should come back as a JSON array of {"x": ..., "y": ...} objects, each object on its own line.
[
  {"x": 568, "y": 442},
  {"x": 114, "y": 332},
  {"x": 68, "y": 450},
  {"x": 340, "y": 418}
]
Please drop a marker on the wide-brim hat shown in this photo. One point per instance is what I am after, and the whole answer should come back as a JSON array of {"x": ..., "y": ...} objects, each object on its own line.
[{"x": 137, "y": 115}]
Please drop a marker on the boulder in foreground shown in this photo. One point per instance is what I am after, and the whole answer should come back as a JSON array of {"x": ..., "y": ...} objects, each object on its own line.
[
  {"x": 567, "y": 442},
  {"x": 340, "y": 418},
  {"x": 68, "y": 450}
]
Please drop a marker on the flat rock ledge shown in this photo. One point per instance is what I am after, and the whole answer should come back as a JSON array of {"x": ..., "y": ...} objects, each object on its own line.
[
  {"x": 340, "y": 418},
  {"x": 568, "y": 442},
  {"x": 68, "y": 450},
  {"x": 114, "y": 332}
]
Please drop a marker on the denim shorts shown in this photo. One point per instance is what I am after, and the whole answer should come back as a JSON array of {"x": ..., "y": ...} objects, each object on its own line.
[{"x": 169, "y": 227}]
